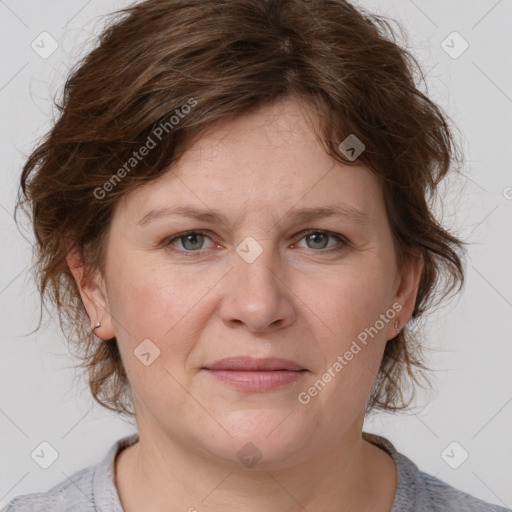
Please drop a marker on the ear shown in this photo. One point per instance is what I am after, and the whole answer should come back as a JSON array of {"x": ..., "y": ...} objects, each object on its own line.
[
  {"x": 93, "y": 293},
  {"x": 407, "y": 284}
]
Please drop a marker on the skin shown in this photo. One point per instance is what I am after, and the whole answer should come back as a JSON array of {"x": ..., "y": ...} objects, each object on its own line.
[{"x": 298, "y": 300}]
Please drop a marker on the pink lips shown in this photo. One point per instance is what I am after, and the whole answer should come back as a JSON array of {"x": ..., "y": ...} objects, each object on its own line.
[{"x": 252, "y": 374}]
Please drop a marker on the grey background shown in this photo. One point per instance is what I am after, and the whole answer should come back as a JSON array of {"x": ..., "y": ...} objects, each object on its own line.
[{"x": 470, "y": 349}]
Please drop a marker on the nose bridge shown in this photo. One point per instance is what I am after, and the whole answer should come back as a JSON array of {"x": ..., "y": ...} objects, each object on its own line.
[
  {"x": 256, "y": 264},
  {"x": 258, "y": 297}
]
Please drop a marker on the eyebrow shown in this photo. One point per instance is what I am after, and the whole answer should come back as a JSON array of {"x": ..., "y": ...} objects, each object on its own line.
[{"x": 295, "y": 215}]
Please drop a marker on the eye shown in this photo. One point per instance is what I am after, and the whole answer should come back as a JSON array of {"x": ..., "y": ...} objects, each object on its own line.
[
  {"x": 318, "y": 239},
  {"x": 191, "y": 241}
]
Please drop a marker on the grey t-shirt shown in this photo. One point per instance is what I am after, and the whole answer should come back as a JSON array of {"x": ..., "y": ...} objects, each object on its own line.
[{"x": 93, "y": 489}]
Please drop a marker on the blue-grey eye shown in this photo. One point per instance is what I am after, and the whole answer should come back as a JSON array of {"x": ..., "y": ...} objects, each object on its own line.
[
  {"x": 194, "y": 240},
  {"x": 320, "y": 240}
]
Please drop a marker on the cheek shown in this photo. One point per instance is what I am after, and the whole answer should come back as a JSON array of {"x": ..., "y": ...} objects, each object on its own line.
[
  {"x": 167, "y": 306},
  {"x": 347, "y": 303},
  {"x": 151, "y": 311},
  {"x": 351, "y": 334},
  {"x": 152, "y": 300}
]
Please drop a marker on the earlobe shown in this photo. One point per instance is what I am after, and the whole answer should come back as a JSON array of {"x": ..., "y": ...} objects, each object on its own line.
[
  {"x": 408, "y": 286},
  {"x": 93, "y": 294}
]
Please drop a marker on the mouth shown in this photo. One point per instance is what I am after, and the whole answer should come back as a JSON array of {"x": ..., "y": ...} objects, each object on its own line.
[{"x": 257, "y": 375}]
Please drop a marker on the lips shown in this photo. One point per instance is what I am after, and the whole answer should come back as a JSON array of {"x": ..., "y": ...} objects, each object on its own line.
[
  {"x": 250, "y": 364},
  {"x": 256, "y": 375}
]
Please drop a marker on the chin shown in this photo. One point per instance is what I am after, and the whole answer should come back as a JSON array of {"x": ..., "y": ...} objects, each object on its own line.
[{"x": 272, "y": 439}]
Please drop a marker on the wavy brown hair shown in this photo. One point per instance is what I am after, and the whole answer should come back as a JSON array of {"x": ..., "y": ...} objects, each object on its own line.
[{"x": 230, "y": 57}]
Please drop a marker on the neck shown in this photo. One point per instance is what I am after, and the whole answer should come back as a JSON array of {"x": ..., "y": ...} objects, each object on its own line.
[{"x": 358, "y": 476}]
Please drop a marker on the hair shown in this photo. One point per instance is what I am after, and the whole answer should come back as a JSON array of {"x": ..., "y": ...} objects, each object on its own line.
[{"x": 179, "y": 66}]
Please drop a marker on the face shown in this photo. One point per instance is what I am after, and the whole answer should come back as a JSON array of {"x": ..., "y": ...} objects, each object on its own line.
[{"x": 264, "y": 280}]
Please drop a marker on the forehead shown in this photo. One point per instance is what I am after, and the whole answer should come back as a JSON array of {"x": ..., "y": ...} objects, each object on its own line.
[{"x": 269, "y": 160}]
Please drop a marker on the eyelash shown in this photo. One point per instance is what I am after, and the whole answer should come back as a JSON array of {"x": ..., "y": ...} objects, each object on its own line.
[{"x": 168, "y": 243}]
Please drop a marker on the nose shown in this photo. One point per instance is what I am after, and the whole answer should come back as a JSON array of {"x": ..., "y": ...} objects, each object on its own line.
[{"x": 257, "y": 295}]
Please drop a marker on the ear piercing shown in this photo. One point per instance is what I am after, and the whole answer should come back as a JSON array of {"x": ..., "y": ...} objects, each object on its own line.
[{"x": 96, "y": 326}]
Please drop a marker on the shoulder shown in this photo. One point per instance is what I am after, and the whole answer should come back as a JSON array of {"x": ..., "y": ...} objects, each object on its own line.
[
  {"x": 420, "y": 492},
  {"x": 436, "y": 495},
  {"x": 70, "y": 495},
  {"x": 91, "y": 489}
]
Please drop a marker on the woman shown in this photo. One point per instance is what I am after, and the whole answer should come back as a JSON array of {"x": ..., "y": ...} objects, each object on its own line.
[{"x": 231, "y": 215}]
